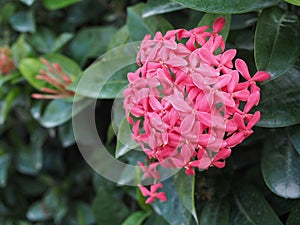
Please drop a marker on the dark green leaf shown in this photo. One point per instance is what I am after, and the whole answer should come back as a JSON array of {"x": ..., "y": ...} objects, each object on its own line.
[
  {"x": 61, "y": 40},
  {"x": 54, "y": 4},
  {"x": 227, "y": 6},
  {"x": 294, "y": 217},
  {"x": 66, "y": 134},
  {"x": 23, "y": 21},
  {"x": 157, "y": 220},
  {"x": 209, "y": 18},
  {"x": 60, "y": 111},
  {"x": 6, "y": 12},
  {"x": 84, "y": 211},
  {"x": 91, "y": 42},
  {"x": 185, "y": 187},
  {"x": 42, "y": 40},
  {"x": 251, "y": 208},
  {"x": 294, "y": 136},
  {"x": 4, "y": 164},
  {"x": 172, "y": 210},
  {"x": 294, "y": 2},
  {"x": 21, "y": 49},
  {"x": 5, "y": 104},
  {"x": 280, "y": 103},
  {"x": 125, "y": 143},
  {"x": 28, "y": 2},
  {"x": 215, "y": 213},
  {"x": 106, "y": 204},
  {"x": 98, "y": 75},
  {"x": 138, "y": 27},
  {"x": 276, "y": 41},
  {"x": 285, "y": 181},
  {"x": 155, "y": 7},
  {"x": 121, "y": 37},
  {"x": 38, "y": 212},
  {"x": 241, "y": 21},
  {"x": 137, "y": 218}
]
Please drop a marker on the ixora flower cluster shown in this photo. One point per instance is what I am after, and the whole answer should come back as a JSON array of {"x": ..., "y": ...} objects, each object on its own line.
[
  {"x": 186, "y": 103},
  {"x": 7, "y": 64}
]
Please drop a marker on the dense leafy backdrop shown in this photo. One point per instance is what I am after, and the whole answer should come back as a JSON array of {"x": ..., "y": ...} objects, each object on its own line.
[{"x": 45, "y": 180}]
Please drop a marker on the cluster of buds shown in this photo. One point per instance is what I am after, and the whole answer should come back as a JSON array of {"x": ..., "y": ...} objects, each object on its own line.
[
  {"x": 187, "y": 104},
  {"x": 7, "y": 64},
  {"x": 57, "y": 78}
]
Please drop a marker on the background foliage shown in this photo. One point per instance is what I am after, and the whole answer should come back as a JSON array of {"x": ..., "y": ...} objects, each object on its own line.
[{"x": 44, "y": 179}]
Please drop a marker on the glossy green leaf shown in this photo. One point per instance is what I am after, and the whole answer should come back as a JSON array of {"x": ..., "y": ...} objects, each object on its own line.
[
  {"x": 285, "y": 181},
  {"x": 106, "y": 204},
  {"x": 251, "y": 208},
  {"x": 23, "y": 21},
  {"x": 5, "y": 104},
  {"x": 185, "y": 187},
  {"x": 241, "y": 21},
  {"x": 21, "y": 49},
  {"x": 4, "y": 165},
  {"x": 227, "y": 6},
  {"x": 120, "y": 37},
  {"x": 138, "y": 27},
  {"x": 276, "y": 41},
  {"x": 294, "y": 216},
  {"x": 91, "y": 42},
  {"x": 137, "y": 218},
  {"x": 209, "y": 18},
  {"x": 66, "y": 134},
  {"x": 125, "y": 143},
  {"x": 28, "y": 2},
  {"x": 54, "y": 4},
  {"x": 215, "y": 213},
  {"x": 294, "y": 136},
  {"x": 294, "y": 2},
  {"x": 172, "y": 210},
  {"x": 280, "y": 101},
  {"x": 155, "y": 7},
  {"x": 55, "y": 116},
  {"x": 99, "y": 74},
  {"x": 38, "y": 212}
]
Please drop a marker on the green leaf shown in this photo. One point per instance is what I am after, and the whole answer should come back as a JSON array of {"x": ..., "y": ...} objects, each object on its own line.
[
  {"x": 138, "y": 27},
  {"x": 85, "y": 213},
  {"x": 280, "y": 102},
  {"x": 4, "y": 164},
  {"x": 276, "y": 41},
  {"x": 91, "y": 42},
  {"x": 125, "y": 143},
  {"x": 294, "y": 136},
  {"x": 137, "y": 218},
  {"x": 241, "y": 21},
  {"x": 294, "y": 216},
  {"x": 66, "y": 134},
  {"x": 285, "y": 181},
  {"x": 157, "y": 220},
  {"x": 227, "y": 6},
  {"x": 155, "y": 7},
  {"x": 209, "y": 18},
  {"x": 54, "y": 4},
  {"x": 6, "y": 13},
  {"x": 38, "y": 212},
  {"x": 215, "y": 213},
  {"x": 294, "y": 2},
  {"x": 21, "y": 49},
  {"x": 185, "y": 187},
  {"x": 28, "y": 2},
  {"x": 23, "y": 21},
  {"x": 172, "y": 210},
  {"x": 120, "y": 37},
  {"x": 106, "y": 204},
  {"x": 96, "y": 76},
  {"x": 5, "y": 104},
  {"x": 251, "y": 208},
  {"x": 61, "y": 40},
  {"x": 59, "y": 111}
]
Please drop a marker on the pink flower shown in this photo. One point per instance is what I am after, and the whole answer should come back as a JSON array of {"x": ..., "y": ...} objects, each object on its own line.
[
  {"x": 152, "y": 193},
  {"x": 186, "y": 103}
]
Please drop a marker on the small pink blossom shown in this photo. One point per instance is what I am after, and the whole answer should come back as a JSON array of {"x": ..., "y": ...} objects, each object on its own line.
[{"x": 152, "y": 193}]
